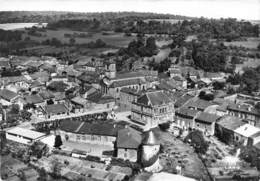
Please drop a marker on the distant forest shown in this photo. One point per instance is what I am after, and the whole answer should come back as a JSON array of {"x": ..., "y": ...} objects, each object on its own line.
[{"x": 53, "y": 16}]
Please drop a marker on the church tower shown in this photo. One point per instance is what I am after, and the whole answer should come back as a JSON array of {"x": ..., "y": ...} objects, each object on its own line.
[{"x": 150, "y": 152}]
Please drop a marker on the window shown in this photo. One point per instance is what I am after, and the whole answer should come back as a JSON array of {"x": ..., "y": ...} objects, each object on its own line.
[
  {"x": 84, "y": 137},
  {"x": 78, "y": 137}
]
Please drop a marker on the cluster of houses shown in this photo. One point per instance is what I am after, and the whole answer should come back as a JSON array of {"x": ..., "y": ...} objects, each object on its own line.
[{"x": 50, "y": 89}]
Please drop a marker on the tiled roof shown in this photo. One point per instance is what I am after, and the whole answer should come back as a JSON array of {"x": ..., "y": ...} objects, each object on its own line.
[
  {"x": 128, "y": 75},
  {"x": 200, "y": 104},
  {"x": 230, "y": 122},
  {"x": 131, "y": 91},
  {"x": 207, "y": 117},
  {"x": 186, "y": 112},
  {"x": 106, "y": 129},
  {"x": 7, "y": 94},
  {"x": 46, "y": 94},
  {"x": 122, "y": 83},
  {"x": 183, "y": 100},
  {"x": 129, "y": 138},
  {"x": 243, "y": 108},
  {"x": 33, "y": 99},
  {"x": 154, "y": 98},
  {"x": 55, "y": 108}
]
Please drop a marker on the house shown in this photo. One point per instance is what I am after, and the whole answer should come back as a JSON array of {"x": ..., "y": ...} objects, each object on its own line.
[
  {"x": 84, "y": 132},
  {"x": 79, "y": 104},
  {"x": 225, "y": 126},
  {"x": 164, "y": 85},
  {"x": 245, "y": 134},
  {"x": 22, "y": 135},
  {"x": 36, "y": 85},
  {"x": 126, "y": 97},
  {"x": 205, "y": 122},
  {"x": 152, "y": 108},
  {"x": 53, "y": 111},
  {"x": 47, "y": 96},
  {"x": 7, "y": 97},
  {"x": 42, "y": 77},
  {"x": 174, "y": 71},
  {"x": 15, "y": 83},
  {"x": 178, "y": 81},
  {"x": 34, "y": 99},
  {"x": 128, "y": 144},
  {"x": 245, "y": 112},
  {"x": 185, "y": 117},
  {"x": 199, "y": 104},
  {"x": 100, "y": 101}
]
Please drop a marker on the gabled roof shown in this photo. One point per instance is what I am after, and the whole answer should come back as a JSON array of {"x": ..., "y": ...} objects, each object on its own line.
[
  {"x": 207, "y": 117},
  {"x": 230, "y": 122},
  {"x": 186, "y": 112},
  {"x": 183, "y": 100},
  {"x": 129, "y": 138},
  {"x": 122, "y": 83},
  {"x": 131, "y": 91},
  {"x": 128, "y": 75},
  {"x": 243, "y": 108},
  {"x": 79, "y": 100},
  {"x": 46, "y": 94},
  {"x": 55, "y": 109},
  {"x": 154, "y": 98},
  {"x": 200, "y": 104},
  {"x": 7, "y": 94},
  {"x": 33, "y": 99}
]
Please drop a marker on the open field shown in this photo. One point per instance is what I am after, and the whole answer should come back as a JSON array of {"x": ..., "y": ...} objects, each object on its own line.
[
  {"x": 251, "y": 43},
  {"x": 249, "y": 62},
  {"x": 15, "y": 26},
  {"x": 111, "y": 38}
]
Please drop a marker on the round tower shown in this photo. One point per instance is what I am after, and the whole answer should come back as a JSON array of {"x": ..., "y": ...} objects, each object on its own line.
[{"x": 150, "y": 152}]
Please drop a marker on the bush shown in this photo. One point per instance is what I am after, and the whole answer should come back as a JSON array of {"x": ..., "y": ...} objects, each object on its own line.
[{"x": 196, "y": 139}]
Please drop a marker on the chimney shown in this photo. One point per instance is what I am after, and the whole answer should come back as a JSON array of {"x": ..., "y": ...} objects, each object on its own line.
[
  {"x": 128, "y": 133},
  {"x": 126, "y": 126}
]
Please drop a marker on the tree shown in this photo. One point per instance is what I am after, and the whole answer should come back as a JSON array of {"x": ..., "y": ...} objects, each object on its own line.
[
  {"x": 196, "y": 139},
  {"x": 164, "y": 126},
  {"x": 72, "y": 41},
  {"x": 250, "y": 155},
  {"x": 58, "y": 141},
  {"x": 25, "y": 115},
  {"x": 42, "y": 175},
  {"x": 56, "y": 168},
  {"x": 218, "y": 85}
]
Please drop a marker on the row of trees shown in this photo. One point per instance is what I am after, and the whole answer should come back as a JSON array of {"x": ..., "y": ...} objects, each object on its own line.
[{"x": 140, "y": 47}]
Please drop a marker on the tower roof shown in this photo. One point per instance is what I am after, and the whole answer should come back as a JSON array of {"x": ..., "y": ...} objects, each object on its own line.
[{"x": 150, "y": 138}]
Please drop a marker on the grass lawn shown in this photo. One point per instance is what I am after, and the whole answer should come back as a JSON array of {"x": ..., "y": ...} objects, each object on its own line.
[{"x": 111, "y": 38}]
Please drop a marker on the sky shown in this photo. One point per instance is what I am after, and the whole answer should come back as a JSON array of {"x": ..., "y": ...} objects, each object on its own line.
[{"x": 240, "y": 9}]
